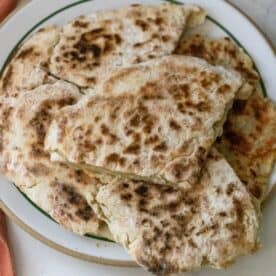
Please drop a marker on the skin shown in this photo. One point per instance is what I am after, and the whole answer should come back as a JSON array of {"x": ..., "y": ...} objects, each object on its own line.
[
  {"x": 6, "y": 6},
  {"x": 5, "y": 257}
]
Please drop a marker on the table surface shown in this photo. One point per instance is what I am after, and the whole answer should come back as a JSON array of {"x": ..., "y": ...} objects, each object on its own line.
[{"x": 33, "y": 258}]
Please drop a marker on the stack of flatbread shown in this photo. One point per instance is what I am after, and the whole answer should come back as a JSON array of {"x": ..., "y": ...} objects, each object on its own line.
[{"x": 120, "y": 125}]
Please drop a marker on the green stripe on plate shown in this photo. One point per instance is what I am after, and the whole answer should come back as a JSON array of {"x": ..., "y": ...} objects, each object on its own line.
[
  {"x": 48, "y": 216},
  {"x": 13, "y": 51}
]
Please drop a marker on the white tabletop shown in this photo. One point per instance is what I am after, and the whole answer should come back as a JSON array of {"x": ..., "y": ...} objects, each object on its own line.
[{"x": 33, "y": 258}]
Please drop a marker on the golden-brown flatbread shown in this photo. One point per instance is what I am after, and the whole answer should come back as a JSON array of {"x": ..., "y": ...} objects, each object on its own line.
[
  {"x": 154, "y": 120},
  {"x": 40, "y": 179},
  {"x": 90, "y": 46},
  {"x": 248, "y": 142},
  {"x": 169, "y": 230},
  {"x": 24, "y": 71},
  {"x": 59, "y": 190},
  {"x": 225, "y": 52}
]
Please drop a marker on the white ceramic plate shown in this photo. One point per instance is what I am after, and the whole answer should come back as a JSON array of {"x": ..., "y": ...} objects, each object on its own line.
[{"x": 223, "y": 20}]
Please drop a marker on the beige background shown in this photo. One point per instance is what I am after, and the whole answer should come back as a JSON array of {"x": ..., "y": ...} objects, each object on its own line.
[{"x": 35, "y": 259}]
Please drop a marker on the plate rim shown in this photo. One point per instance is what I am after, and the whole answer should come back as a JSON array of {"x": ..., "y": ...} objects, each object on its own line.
[
  {"x": 98, "y": 260},
  {"x": 28, "y": 228}
]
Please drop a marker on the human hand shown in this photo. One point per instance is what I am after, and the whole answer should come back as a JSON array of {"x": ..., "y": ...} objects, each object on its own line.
[
  {"x": 5, "y": 257},
  {"x": 6, "y": 6}
]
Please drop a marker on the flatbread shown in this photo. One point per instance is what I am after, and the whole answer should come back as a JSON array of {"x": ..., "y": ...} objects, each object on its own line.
[
  {"x": 153, "y": 120},
  {"x": 222, "y": 51},
  {"x": 24, "y": 71},
  {"x": 59, "y": 190},
  {"x": 168, "y": 230},
  {"x": 90, "y": 46},
  {"x": 249, "y": 142}
]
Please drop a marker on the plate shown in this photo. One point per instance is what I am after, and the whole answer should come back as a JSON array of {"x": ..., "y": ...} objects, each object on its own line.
[{"x": 222, "y": 20}]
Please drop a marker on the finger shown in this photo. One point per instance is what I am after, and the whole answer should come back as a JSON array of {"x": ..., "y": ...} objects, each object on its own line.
[{"x": 6, "y": 6}]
